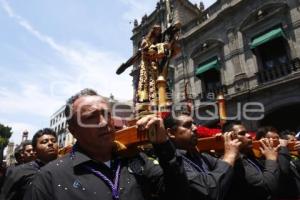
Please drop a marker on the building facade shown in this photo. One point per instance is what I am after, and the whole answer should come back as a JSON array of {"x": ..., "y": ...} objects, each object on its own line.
[
  {"x": 248, "y": 50},
  {"x": 10, "y": 158},
  {"x": 58, "y": 123}
]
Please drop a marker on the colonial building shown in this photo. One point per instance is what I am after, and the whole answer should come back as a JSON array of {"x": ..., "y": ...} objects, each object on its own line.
[
  {"x": 10, "y": 158},
  {"x": 59, "y": 124},
  {"x": 248, "y": 50}
]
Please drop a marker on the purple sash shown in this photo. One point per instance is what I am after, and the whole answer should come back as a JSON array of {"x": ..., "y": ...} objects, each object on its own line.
[{"x": 114, "y": 186}]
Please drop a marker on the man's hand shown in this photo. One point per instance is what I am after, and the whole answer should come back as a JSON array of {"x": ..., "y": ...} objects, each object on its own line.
[
  {"x": 297, "y": 146},
  {"x": 231, "y": 148},
  {"x": 155, "y": 127},
  {"x": 267, "y": 149}
]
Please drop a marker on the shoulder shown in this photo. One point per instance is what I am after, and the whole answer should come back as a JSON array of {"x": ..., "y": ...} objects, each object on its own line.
[
  {"x": 52, "y": 172},
  {"x": 58, "y": 164},
  {"x": 10, "y": 169},
  {"x": 208, "y": 156},
  {"x": 210, "y": 160},
  {"x": 30, "y": 166},
  {"x": 22, "y": 170}
]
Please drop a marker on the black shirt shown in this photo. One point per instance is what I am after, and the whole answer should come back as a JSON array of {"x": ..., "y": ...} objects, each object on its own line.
[
  {"x": 210, "y": 179},
  {"x": 289, "y": 183},
  {"x": 254, "y": 180},
  {"x": 18, "y": 179},
  {"x": 140, "y": 178}
]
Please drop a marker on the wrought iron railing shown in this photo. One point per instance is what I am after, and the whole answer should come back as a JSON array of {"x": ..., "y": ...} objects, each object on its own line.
[
  {"x": 279, "y": 71},
  {"x": 211, "y": 95}
]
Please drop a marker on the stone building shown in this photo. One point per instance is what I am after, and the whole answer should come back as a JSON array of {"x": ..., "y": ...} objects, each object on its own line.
[
  {"x": 58, "y": 122},
  {"x": 10, "y": 158},
  {"x": 247, "y": 49}
]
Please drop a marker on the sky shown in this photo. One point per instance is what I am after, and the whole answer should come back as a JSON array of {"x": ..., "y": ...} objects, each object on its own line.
[{"x": 52, "y": 49}]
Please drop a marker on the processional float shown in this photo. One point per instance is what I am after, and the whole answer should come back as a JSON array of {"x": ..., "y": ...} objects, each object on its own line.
[{"x": 154, "y": 55}]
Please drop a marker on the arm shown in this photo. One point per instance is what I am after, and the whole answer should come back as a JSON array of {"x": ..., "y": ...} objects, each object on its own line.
[
  {"x": 270, "y": 175},
  {"x": 175, "y": 179},
  {"x": 216, "y": 183},
  {"x": 17, "y": 181},
  {"x": 40, "y": 188},
  {"x": 260, "y": 182},
  {"x": 11, "y": 183},
  {"x": 213, "y": 184},
  {"x": 296, "y": 161},
  {"x": 284, "y": 159},
  {"x": 173, "y": 183}
]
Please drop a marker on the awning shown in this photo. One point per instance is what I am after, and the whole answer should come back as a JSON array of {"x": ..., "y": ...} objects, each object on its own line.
[
  {"x": 207, "y": 66},
  {"x": 273, "y": 34}
]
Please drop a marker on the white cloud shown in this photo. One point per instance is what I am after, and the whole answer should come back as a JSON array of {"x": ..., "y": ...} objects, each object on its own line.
[
  {"x": 137, "y": 8},
  {"x": 79, "y": 56},
  {"x": 90, "y": 67},
  {"x": 87, "y": 67},
  {"x": 30, "y": 99},
  {"x": 41, "y": 97},
  {"x": 18, "y": 128}
]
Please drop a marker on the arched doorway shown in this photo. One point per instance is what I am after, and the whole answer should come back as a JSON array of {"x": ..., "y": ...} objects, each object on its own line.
[{"x": 285, "y": 117}]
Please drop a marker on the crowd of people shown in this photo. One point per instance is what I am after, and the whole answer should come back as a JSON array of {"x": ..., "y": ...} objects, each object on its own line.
[{"x": 173, "y": 169}]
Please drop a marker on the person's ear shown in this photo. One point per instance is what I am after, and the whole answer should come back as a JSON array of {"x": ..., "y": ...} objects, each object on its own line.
[{"x": 170, "y": 133}]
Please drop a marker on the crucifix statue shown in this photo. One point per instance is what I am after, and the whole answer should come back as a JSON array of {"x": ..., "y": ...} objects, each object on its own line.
[{"x": 156, "y": 50}]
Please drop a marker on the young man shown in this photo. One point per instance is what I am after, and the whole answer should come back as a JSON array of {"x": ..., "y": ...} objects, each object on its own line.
[
  {"x": 44, "y": 143},
  {"x": 209, "y": 177},
  {"x": 253, "y": 179},
  {"x": 94, "y": 171},
  {"x": 289, "y": 181},
  {"x": 27, "y": 151},
  {"x": 18, "y": 156}
]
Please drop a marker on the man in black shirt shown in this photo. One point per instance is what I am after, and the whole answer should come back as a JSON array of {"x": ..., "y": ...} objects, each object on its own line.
[
  {"x": 289, "y": 181},
  {"x": 93, "y": 171},
  {"x": 209, "y": 177},
  {"x": 19, "y": 155},
  {"x": 23, "y": 154},
  {"x": 253, "y": 179},
  {"x": 27, "y": 151},
  {"x": 18, "y": 179}
]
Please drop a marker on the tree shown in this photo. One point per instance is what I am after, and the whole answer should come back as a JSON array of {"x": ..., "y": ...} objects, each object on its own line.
[{"x": 5, "y": 133}]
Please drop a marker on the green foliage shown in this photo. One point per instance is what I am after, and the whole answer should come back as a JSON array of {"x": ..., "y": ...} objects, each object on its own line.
[{"x": 5, "y": 133}]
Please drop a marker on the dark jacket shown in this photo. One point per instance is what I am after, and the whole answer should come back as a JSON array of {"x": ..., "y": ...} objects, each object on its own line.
[
  {"x": 209, "y": 177},
  {"x": 254, "y": 180},
  {"x": 289, "y": 183},
  {"x": 18, "y": 179},
  {"x": 140, "y": 178}
]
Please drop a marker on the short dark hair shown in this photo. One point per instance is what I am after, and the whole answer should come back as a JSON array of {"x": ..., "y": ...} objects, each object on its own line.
[
  {"x": 71, "y": 100},
  {"x": 172, "y": 122},
  {"x": 262, "y": 131},
  {"x": 25, "y": 143},
  {"x": 284, "y": 134},
  {"x": 228, "y": 126},
  {"x": 40, "y": 133},
  {"x": 18, "y": 151}
]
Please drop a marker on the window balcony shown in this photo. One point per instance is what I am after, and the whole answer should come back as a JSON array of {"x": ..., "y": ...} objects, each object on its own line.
[
  {"x": 279, "y": 71},
  {"x": 211, "y": 94}
]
